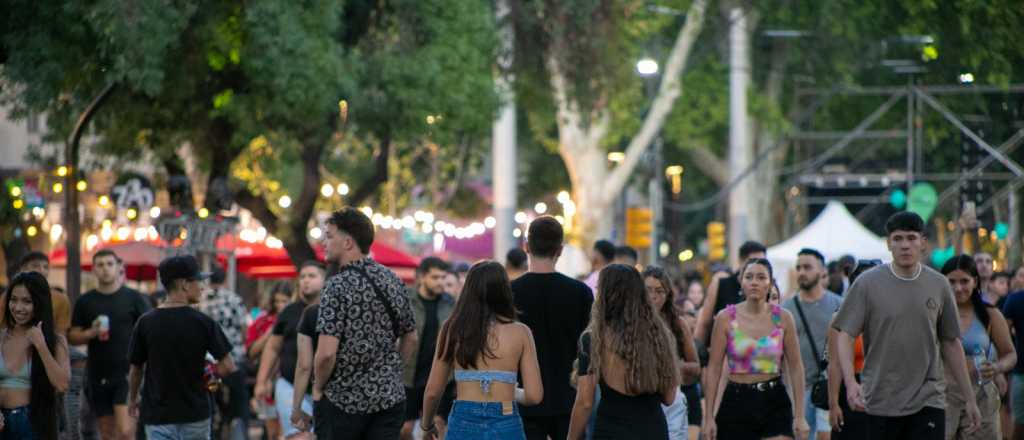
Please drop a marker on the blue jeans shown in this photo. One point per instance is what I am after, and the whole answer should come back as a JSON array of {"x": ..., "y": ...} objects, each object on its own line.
[
  {"x": 283, "y": 401},
  {"x": 484, "y": 421},
  {"x": 179, "y": 431},
  {"x": 17, "y": 424},
  {"x": 816, "y": 418}
]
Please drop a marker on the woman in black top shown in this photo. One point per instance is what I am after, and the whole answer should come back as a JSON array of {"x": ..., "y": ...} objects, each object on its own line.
[
  {"x": 301, "y": 405},
  {"x": 629, "y": 353}
]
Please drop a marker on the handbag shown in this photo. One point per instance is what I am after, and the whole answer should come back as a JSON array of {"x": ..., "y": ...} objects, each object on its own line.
[{"x": 819, "y": 389}]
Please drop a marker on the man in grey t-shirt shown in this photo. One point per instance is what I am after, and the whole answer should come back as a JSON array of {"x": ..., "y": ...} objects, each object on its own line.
[
  {"x": 908, "y": 317},
  {"x": 818, "y": 306}
]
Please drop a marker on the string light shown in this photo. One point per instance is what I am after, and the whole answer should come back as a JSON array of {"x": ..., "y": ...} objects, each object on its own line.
[
  {"x": 32, "y": 231},
  {"x": 284, "y": 202},
  {"x": 104, "y": 200},
  {"x": 62, "y": 171},
  {"x": 58, "y": 187},
  {"x": 131, "y": 213},
  {"x": 154, "y": 212},
  {"x": 343, "y": 189},
  {"x": 327, "y": 190},
  {"x": 203, "y": 213},
  {"x": 81, "y": 185}
]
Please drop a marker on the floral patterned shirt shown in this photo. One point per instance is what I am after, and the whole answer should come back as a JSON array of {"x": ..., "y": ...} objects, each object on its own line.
[
  {"x": 367, "y": 376},
  {"x": 227, "y": 309}
]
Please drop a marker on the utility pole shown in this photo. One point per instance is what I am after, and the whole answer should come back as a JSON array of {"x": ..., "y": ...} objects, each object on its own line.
[
  {"x": 503, "y": 139},
  {"x": 740, "y": 154}
]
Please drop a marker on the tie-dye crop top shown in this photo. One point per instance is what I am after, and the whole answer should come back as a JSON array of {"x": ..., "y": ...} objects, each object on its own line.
[{"x": 747, "y": 355}]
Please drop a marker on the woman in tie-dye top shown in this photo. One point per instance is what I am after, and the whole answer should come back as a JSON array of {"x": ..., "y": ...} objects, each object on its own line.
[{"x": 753, "y": 338}]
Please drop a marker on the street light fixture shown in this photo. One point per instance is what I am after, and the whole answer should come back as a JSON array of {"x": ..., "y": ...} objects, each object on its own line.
[
  {"x": 647, "y": 67},
  {"x": 616, "y": 156}
]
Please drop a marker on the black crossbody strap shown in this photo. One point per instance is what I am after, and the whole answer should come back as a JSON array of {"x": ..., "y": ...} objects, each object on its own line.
[
  {"x": 810, "y": 337},
  {"x": 382, "y": 299}
]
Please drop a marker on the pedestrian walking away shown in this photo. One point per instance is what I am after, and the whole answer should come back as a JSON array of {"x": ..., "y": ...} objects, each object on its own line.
[
  {"x": 556, "y": 308},
  {"x": 365, "y": 322},
  {"x": 168, "y": 381},
  {"x": 662, "y": 297},
  {"x": 989, "y": 349},
  {"x": 631, "y": 355},
  {"x": 486, "y": 349},
  {"x": 104, "y": 318},
  {"x": 34, "y": 364},
  {"x": 908, "y": 317}
]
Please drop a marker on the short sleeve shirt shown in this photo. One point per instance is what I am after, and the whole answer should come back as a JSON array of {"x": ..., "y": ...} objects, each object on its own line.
[
  {"x": 227, "y": 309},
  {"x": 108, "y": 359},
  {"x": 367, "y": 376},
  {"x": 172, "y": 343},
  {"x": 903, "y": 322},
  {"x": 819, "y": 314}
]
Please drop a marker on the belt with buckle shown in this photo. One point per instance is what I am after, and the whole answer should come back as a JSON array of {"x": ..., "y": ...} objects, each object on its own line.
[{"x": 759, "y": 386}]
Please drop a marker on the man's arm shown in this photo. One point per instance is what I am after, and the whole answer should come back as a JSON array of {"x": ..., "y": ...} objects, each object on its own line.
[
  {"x": 706, "y": 315},
  {"x": 134, "y": 384},
  {"x": 407, "y": 345},
  {"x": 82, "y": 336},
  {"x": 323, "y": 361},
  {"x": 268, "y": 363}
]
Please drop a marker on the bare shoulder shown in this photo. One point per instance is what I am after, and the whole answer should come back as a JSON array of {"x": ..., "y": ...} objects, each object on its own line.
[{"x": 787, "y": 317}]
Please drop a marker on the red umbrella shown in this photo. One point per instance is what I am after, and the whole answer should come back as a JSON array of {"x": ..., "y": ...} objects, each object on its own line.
[{"x": 257, "y": 260}]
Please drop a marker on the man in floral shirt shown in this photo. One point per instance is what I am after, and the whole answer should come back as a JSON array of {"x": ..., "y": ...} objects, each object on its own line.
[
  {"x": 365, "y": 321},
  {"x": 227, "y": 309}
]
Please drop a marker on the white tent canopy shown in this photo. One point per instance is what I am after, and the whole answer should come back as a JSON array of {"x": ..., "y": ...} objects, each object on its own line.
[{"x": 834, "y": 233}]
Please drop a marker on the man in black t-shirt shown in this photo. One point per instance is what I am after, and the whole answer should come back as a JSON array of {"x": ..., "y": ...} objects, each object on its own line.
[
  {"x": 282, "y": 349},
  {"x": 432, "y": 306},
  {"x": 168, "y": 348},
  {"x": 723, "y": 291},
  {"x": 557, "y": 310},
  {"x": 104, "y": 318}
]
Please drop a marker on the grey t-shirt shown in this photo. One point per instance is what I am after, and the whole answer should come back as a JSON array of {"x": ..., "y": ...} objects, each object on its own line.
[
  {"x": 819, "y": 315},
  {"x": 902, "y": 322}
]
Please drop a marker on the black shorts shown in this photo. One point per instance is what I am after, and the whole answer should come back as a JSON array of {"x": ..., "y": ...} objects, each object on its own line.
[
  {"x": 755, "y": 411},
  {"x": 927, "y": 424},
  {"x": 104, "y": 394},
  {"x": 694, "y": 413},
  {"x": 414, "y": 402}
]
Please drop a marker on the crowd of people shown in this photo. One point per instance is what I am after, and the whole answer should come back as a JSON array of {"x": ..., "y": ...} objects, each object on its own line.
[{"x": 860, "y": 349}]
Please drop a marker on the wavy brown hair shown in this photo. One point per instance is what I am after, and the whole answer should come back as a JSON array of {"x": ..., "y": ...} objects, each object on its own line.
[
  {"x": 623, "y": 323},
  {"x": 486, "y": 299},
  {"x": 668, "y": 310}
]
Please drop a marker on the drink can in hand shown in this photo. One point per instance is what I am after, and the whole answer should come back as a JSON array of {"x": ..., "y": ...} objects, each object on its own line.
[{"x": 104, "y": 321}]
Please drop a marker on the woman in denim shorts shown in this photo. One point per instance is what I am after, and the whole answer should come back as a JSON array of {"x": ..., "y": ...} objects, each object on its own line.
[{"x": 487, "y": 348}]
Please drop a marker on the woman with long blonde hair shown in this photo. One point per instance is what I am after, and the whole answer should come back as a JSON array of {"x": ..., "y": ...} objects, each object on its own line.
[{"x": 631, "y": 354}]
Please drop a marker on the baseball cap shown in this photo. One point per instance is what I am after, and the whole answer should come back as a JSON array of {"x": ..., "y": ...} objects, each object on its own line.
[{"x": 181, "y": 267}]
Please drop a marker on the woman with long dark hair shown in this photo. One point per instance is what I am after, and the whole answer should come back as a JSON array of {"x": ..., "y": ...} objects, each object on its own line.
[
  {"x": 631, "y": 355},
  {"x": 662, "y": 297},
  {"x": 989, "y": 349},
  {"x": 755, "y": 337},
  {"x": 487, "y": 348},
  {"x": 34, "y": 364}
]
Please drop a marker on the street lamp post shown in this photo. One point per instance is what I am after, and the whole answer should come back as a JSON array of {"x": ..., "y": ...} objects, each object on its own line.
[
  {"x": 648, "y": 69},
  {"x": 73, "y": 242}
]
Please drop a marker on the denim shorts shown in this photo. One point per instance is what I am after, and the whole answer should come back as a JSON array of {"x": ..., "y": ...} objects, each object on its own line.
[
  {"x": 17, "y": 424},
  {"x": 484, "y": 421}
]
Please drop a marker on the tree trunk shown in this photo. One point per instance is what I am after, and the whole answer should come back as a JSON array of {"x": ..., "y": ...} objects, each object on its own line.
[{"x": 595, "y": 186}]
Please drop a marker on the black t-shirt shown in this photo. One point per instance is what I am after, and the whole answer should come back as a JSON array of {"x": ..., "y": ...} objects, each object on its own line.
[
  {"x": 108, "y": 359},
  {"x": 287, "y": 326},
  {"x": 173, "y": 343},
  {"x": 428, "y": 342},
  {"x": 307, "y": 327},
  {"x": 557, "y": 310},
  {"x": 729, "y": 292}
]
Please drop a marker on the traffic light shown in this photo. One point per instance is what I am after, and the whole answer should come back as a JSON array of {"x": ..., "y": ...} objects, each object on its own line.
[
  {"x": 716, "y": 241},
  {"x": 639, "y": 224}
]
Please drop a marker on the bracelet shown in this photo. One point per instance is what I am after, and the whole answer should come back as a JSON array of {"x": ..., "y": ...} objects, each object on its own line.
[{"x": 430, "y": 429}]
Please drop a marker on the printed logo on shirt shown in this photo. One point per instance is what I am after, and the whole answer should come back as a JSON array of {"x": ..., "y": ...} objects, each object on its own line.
[{"x": 932, "y": 304}]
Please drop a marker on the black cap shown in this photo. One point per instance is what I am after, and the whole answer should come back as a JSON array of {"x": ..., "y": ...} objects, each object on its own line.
[{"x": 181, "y": 267}]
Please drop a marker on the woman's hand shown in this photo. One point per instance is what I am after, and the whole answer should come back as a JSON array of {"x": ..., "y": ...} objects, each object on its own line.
[
  {"x": 301, "y": 421},
  {"x": 800, "y": 428},
  {"x": 35, "y": 336},
  {"x": 987, "y": 371}
]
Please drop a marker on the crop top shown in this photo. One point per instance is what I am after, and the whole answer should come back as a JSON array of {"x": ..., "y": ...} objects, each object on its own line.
[
  {"x": 747, "y": 355},
  {"x": 20, "y": 380}
]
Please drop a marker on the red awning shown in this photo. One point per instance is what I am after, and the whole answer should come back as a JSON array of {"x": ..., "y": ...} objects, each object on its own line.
[{"x": 140, "y": 258}]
